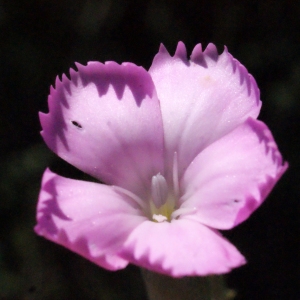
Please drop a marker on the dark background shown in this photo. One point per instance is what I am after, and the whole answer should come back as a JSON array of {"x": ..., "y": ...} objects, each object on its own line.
[{"x": 43, "y": 38}]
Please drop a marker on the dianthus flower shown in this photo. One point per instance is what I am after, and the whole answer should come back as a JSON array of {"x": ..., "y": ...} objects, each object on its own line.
[{"x": 179, "y": 151}]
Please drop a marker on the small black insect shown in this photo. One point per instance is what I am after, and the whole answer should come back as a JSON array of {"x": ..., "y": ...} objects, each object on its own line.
[{"x": 76, "y": 124}]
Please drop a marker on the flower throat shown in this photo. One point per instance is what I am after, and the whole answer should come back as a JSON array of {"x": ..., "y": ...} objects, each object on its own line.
[{"x": 163, "y": 205}]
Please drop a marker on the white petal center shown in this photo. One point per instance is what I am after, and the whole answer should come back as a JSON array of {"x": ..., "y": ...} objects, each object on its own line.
[{"x": 163, "y": 204}]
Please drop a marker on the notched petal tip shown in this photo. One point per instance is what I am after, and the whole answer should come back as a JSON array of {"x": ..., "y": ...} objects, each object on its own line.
[
  {"x": 64, "y": 78},
  {"x": 57, "y": 82},
  {"x": 60, "y": 82},
  {"x": 52, "y": 89},
  {"x": 211, "y": 51},
  {"x": 182, "y": 248},
  {"x": 197, "y": 56},
  {"x": 181, "y": 52},
  {"x": 240, "y": 70},
  {"x": 129, "y": 64},
  {"x": 87, "y": 70},
  {"x": 73, "y": 74},
  {"x": 161, "y": 57},
  {"x": 197, "y": 52},
  {"x": 163, "y": 49},
  {"x": 44, "y": 120},
  {"x": 200, "y": 57},
  {"x": 62, "y": 219},
  {"x": 111, "y": 63},
  {"x": 254, "y": 88},
  {"x": 80, "y": 66},
  {"x": 265, "y": 136}
]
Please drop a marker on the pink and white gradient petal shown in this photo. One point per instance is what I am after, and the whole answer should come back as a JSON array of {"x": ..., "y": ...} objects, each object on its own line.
[
  {"x": 186, "y": 131},
  {"x": 107, "y": 122},
  {"x": 180, "y": 248},
  {"x": 202, "y": 99},
  {"x": 230, "y": 178},
  {"x": 88, "y": 218}
]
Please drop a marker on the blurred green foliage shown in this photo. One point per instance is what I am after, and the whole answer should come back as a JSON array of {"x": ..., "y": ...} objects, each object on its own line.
[{"x": 41, "y": 39}]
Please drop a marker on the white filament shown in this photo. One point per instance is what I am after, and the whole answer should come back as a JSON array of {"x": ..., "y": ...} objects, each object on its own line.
[
  {"x": 183, "y": 211},
  {"x": 159, "y": 190},
  {"x": 175, "y": 175},
  {"x": 133, "y": 196}
]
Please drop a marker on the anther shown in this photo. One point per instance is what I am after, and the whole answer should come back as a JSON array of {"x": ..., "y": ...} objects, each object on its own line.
[{"x": 159, "y": 218}]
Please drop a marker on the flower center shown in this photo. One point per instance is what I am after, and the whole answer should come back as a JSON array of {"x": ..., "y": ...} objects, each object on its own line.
[
  {"x": 159, "y": 190},
  {"x": 162, "y": 204}
]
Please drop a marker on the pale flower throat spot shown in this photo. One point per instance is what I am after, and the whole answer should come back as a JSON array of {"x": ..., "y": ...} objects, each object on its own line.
[
  {"x": 164, "y": 201},
  {"x": 162, "y": 206}
]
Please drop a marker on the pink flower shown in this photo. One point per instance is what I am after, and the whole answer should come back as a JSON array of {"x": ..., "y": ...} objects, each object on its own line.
[{"x": 180, "y": 152}]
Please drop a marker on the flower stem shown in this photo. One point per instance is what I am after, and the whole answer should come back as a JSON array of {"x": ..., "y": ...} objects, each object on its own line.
[{"x": 161, "y": 287}]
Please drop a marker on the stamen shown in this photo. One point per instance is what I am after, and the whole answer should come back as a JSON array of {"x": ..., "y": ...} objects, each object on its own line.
[
  {"x": 159, "y": 218},
  {"x": 159, "y": 190},
  {"x": 133, "y": 196},
  {"x": 175, "y": 175},
  {"x": 183, "y": 211}
]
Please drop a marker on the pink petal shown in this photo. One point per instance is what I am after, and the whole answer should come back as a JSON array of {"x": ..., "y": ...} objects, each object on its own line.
[
  {"x": 90, "y": 219},
  {"x": 181, "y": 248},
  {"x": 202, "y": 99},
  {"x": 107, "y": 122},
  {"x": 229, "y": 179}
]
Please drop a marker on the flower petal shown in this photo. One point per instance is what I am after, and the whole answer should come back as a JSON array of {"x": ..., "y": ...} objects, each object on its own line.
[
  {"x": 181, "y": 248},
  {"x": 90, "y": 219},
  {"x": 107, "y": 122},
  {"x": 202, "y": 99},
  {"x": 229, "y": 179}
]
